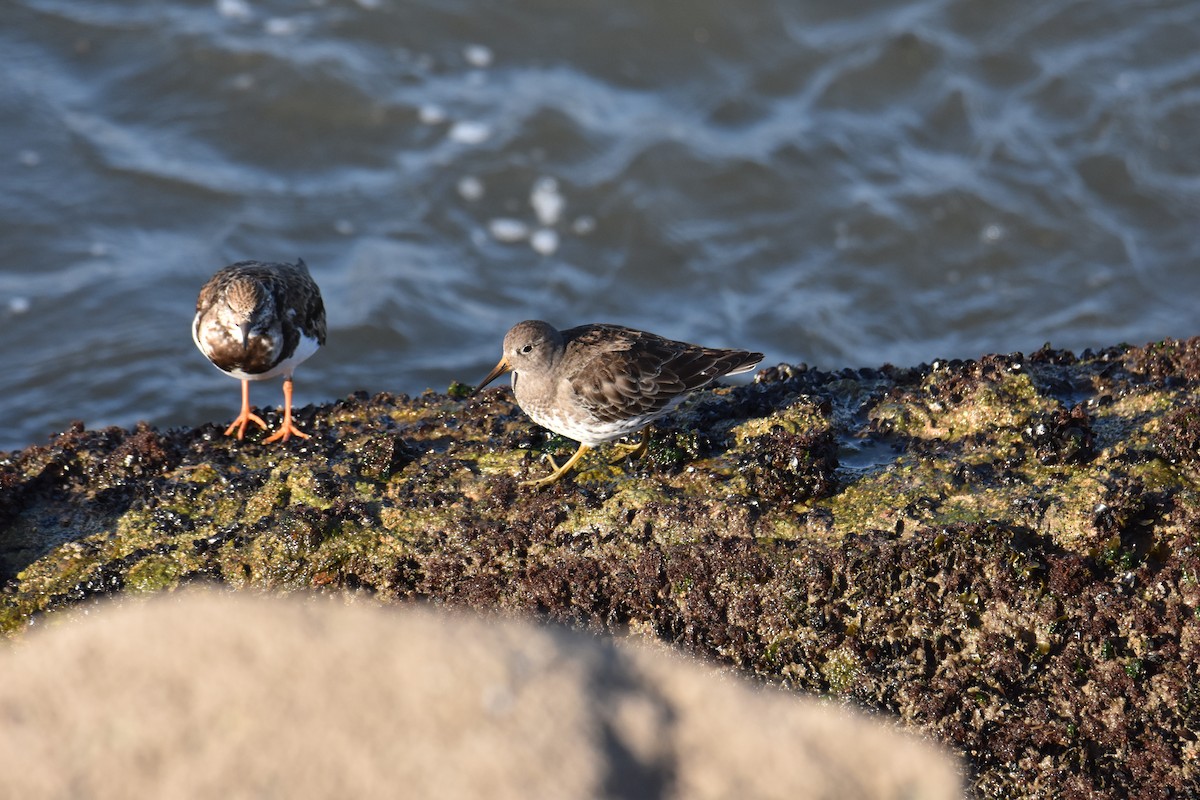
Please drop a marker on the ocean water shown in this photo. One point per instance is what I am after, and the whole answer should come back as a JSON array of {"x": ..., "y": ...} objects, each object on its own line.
[{"x": 841, "y": 184}]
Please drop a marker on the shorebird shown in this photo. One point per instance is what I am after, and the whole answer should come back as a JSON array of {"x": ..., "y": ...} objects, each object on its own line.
[
  {"x": 256, "y": 320},
  {"x": 596, "y": 383}
]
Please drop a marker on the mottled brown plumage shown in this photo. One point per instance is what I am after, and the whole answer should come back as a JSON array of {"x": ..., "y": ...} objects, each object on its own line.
[
  {"x": 597, "y": 383},
  {"x": 256, "y": 320}
]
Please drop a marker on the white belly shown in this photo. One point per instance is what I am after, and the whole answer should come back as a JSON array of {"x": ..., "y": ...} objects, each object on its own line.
[{"x": 588, "y": 430}]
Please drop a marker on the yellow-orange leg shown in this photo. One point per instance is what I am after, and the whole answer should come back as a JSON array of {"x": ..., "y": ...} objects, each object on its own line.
[
  {"x": 286, "y": 429},
  {"x": 246, "y": 416},
  {"x": 558, "y": 471},
  {"x": 633, "y": 450}
]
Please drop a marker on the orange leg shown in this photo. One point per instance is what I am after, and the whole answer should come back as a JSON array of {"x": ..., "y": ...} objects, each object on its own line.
[
  {"x": 246, "y": 416},
  {"x": 286, "y": 429}
]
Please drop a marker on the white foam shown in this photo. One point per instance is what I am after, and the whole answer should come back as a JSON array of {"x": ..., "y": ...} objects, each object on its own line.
[
  {"x": 234, "y": 9},
  {"x": 279, "y": 26},
  {"x": 467, "y": 132},
  {"x": 547, "y": 201},
  {"x": 478, "y": 55},
  {"x": 470, "y": 188},
  {"x": 544, "y": 241},
  {"x": 505, "y": 229},
  {"x": 430, "y": 114}
]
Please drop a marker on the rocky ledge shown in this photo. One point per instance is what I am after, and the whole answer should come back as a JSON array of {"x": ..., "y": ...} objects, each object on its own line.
[{"x": 1001, "y": 553}]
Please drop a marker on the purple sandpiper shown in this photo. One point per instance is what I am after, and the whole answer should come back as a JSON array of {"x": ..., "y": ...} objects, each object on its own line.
[{"x": 597, "y": 383}]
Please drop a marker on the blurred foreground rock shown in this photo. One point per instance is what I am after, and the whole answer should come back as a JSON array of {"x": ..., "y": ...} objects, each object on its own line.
[
  {"x": 1003, "y": 553},
  {"x": 221, "y": 695}
]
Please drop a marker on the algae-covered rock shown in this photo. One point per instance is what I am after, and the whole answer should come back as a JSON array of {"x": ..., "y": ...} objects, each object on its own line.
[{"x": 1002, "y": 551}]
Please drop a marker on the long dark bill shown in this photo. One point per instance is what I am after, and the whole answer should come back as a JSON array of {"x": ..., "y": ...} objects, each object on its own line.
[{"x": 500, "y": 369}]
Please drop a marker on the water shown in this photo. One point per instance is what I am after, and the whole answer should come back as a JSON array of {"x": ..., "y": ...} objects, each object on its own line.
[{"x": 844, "y": 184}]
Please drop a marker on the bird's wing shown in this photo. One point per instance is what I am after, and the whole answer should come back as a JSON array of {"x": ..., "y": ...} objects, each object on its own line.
[{"x": 628, "y": 373}]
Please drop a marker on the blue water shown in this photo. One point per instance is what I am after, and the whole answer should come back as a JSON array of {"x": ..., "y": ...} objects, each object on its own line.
[{"x": 843, "y": 184}]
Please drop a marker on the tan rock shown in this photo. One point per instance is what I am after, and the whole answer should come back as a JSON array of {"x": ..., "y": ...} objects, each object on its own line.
[{"x": 205, "y": 694}]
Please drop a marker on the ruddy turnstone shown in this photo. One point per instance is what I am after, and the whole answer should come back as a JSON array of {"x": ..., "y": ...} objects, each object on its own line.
[
  {"x": 597, "y": 383},
  {"x": 256, "y": 320}
]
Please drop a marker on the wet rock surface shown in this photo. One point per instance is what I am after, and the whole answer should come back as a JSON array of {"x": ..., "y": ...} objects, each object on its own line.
[{"x": 1002, "y": 552}]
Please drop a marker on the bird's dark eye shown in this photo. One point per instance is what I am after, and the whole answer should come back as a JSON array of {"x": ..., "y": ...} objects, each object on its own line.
[{"x": 527, "y": 348}]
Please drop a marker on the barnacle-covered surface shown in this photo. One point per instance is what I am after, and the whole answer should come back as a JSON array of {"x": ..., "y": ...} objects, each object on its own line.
[{"x": 1000, "y": 552}]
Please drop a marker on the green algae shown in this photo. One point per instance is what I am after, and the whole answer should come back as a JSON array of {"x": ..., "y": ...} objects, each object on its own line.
[
  {"x": 948, "y": 408},
  {"x": 796, "y": 419},
  {"x": 154, "y": 573},
  {"x": 842, "y": 671}
]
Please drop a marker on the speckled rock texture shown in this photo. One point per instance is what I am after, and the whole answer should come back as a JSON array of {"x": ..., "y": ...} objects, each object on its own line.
[
  {"x": 234, "y": 695},
  {"x": 1001, "y": 552}
]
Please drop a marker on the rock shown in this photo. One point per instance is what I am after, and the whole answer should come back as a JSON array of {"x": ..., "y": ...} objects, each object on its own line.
[
  {"x": 212, "y": 694},
  {"x": 989, "y": 550}
]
